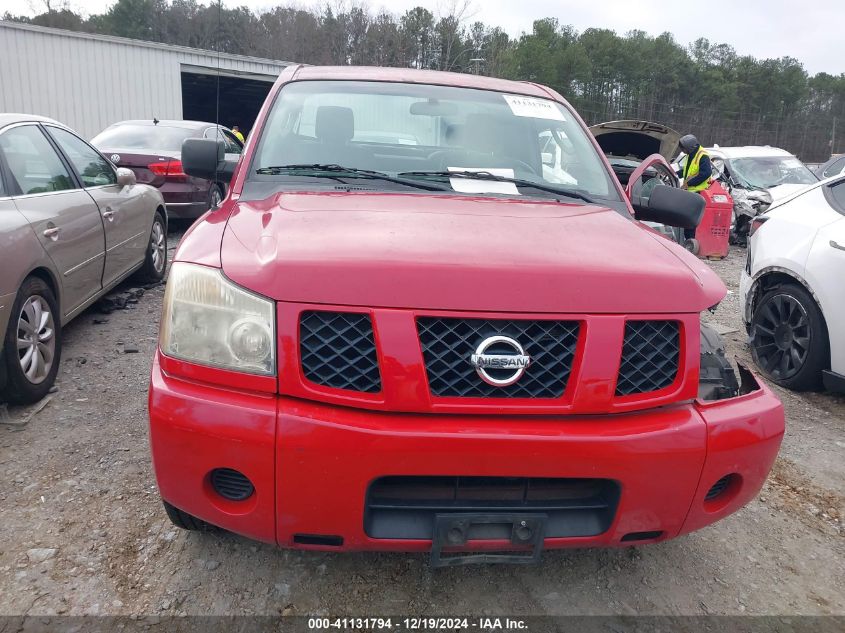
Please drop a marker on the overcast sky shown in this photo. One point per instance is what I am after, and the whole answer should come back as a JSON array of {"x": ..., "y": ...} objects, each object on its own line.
[{"x": 812, "y": 32}]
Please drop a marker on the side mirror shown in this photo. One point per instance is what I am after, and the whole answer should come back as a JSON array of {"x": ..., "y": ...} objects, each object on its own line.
[
  {"x": 126, "y": 177},
  {"x": 671, "y": 206},
  {"x": 206, "y": 158}
]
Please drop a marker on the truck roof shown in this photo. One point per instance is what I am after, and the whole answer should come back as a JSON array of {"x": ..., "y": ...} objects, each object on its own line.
[{"x": 411, "y": 75}]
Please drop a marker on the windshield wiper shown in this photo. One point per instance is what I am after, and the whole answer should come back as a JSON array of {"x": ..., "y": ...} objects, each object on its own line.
[
  {"x": 339, "y": 171},
  {"x": 486, "y": 175}
]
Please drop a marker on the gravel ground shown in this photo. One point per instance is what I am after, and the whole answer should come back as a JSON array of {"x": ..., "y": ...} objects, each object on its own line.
[{"x": 83, "y": 531}]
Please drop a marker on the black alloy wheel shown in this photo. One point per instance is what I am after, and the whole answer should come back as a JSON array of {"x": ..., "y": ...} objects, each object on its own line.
[{"x": 789, "y": 338}]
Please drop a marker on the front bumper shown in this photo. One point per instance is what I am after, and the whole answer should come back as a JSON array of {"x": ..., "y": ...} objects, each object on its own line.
[{"x": 311, "y": 463}]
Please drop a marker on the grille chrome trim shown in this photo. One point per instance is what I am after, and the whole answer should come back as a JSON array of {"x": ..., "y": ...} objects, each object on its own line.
[
  {"x": 338, "y": 350},
  {"x": 448, "y": 343},
  {"x": 650, "y": 357}
]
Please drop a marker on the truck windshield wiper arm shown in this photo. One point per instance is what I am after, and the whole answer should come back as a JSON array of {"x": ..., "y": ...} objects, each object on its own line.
[
  {"x": 339, "y": 171},
  {"x": 486, "y": 175}
]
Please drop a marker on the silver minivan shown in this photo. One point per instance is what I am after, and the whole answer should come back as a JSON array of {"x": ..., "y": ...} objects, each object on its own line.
[{"x": 72, "y": 227}]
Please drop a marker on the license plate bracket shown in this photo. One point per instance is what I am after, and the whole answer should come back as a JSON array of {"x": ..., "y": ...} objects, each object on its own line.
[{"x": 527, "y": 532}]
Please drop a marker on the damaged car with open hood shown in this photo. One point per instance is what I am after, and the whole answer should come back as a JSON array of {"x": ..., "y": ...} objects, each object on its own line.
[
  {"x": 627, "y": 143},
  {"x": 376, "y": 345},
  {"x": 756, "y": 177}
]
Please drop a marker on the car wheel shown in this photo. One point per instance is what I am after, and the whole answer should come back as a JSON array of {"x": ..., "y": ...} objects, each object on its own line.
[
  {"x": 789, "y": 340},
  {"x": 215, "y": 197},
  {"x": 33, "y": 343},
  {"x": 186, "y": 521},
  {"x": 155, "y": 259}
]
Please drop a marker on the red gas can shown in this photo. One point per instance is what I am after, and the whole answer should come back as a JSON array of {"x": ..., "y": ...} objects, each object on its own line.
[{"x": 712, "y": 234}]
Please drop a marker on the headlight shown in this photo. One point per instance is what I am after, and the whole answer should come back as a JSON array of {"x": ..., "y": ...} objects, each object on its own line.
[{"x": 209, "y": 320}]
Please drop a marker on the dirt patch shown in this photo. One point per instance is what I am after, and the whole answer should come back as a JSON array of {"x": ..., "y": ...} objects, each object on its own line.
[{"x": 791, "y": 488}]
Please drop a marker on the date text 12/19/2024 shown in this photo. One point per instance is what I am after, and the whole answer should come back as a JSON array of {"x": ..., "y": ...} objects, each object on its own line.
[{"x": 428, "y": 623}]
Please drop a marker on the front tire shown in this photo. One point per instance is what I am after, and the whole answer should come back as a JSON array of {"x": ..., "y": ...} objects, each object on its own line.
[
  {"x": 186, "y": 521},
  {"x": 155, "y": 259},
  {"x": 32, "y": 346},
  {"x": 789, "y": 340}
]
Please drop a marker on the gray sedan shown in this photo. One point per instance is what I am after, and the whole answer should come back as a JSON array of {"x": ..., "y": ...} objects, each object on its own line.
[{"x": 71, "y": 228}]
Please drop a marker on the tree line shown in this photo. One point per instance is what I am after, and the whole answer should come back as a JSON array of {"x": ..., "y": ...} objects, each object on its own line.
[{"x": 704, "y": 88}]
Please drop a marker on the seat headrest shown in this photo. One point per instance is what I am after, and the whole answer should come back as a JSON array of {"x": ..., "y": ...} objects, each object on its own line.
[
  {"x": 481, "y": 133},
  {"x": 334, "y": 124}
]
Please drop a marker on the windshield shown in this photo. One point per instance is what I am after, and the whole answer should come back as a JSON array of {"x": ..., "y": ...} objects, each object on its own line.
[
  {"x": 142, "y": 137},
  {"x": 417, "y": 131},
  {"x": 763, "y": 172}
]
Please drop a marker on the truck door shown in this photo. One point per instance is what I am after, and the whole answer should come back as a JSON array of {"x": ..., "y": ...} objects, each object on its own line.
[{"x": 64, "y": 217}]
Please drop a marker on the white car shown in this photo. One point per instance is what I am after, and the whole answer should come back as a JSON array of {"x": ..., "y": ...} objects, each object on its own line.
[
  {"x": 793, "y": 288},
  {"x": 762, "y": 168},
  {"x": 756, "y": 176}
]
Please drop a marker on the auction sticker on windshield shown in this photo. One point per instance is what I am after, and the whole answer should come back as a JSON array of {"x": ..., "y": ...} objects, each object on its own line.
[
  {"x": 534, "y": 108},
  {"x": 469, "y": 185}
]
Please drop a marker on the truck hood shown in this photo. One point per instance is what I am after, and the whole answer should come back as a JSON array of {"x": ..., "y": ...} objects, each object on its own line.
[
  {"x": 440, "y": 252},
  {"x": 636, "y": 139}
]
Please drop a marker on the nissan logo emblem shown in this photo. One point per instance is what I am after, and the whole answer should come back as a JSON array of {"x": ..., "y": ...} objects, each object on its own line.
[{"x": 508, "y": 368}]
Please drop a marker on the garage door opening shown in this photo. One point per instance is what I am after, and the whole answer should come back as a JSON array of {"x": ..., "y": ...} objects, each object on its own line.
[{"x": 240, "y": 98}]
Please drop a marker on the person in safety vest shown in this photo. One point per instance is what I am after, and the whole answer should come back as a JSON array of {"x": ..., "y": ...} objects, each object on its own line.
[
  {"x": 695, "y": 169},
  {"x": 236, "y": 131}
]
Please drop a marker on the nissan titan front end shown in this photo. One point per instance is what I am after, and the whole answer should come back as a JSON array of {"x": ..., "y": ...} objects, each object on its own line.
[{"x": 408, "y": 328}]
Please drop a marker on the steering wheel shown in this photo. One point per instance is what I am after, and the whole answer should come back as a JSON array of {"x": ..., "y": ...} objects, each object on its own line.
[
  {"x": 665, "y": 176},
  {"x": 528, "y": 167}
]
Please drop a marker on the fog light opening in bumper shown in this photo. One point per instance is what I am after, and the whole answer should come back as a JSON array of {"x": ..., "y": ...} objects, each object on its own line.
[
  {"x": 231, "y": 484},
  {"x": 721, "y": 492}
]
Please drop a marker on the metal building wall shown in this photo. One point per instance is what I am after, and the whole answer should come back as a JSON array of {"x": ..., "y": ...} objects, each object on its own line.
[{"x": 91, "y": 81}]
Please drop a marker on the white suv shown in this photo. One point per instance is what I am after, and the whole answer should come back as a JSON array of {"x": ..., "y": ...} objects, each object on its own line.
[{"x": 793, "y": 288}]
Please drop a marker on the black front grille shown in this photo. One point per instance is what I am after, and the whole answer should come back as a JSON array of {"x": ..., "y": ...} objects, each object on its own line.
[
  {"x": 337, "y": 349},
  {"x": 405, "y": 507},
  {"x": 448, "y": 344},
  {"x": 649, "y": 357},
  {"x": 231, "y": 484}
]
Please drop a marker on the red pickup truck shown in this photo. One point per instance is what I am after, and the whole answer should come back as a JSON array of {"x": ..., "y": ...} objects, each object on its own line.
[{"x": 427, "y": 317}]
